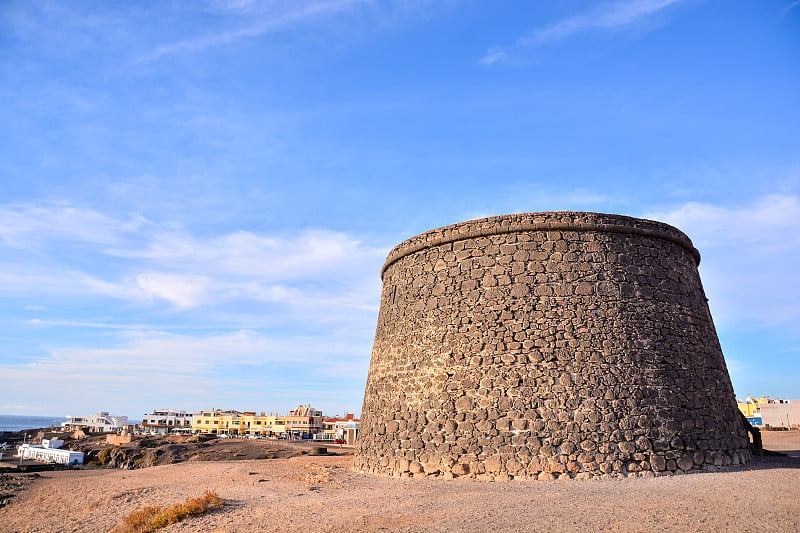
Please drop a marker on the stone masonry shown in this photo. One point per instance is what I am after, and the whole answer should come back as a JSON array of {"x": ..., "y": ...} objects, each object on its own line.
[{"x": 547, "y": 345}]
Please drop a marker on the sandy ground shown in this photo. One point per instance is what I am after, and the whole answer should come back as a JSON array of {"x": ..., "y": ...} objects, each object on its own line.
[{"x": 322, "y": 494}]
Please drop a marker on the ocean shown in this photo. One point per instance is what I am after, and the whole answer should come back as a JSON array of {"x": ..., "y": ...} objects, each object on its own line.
[{"x": 20, "y": 422}]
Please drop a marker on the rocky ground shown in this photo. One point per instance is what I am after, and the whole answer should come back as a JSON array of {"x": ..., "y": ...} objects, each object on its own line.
[
  {"x": 301, "y": 492},
  {"x": 156, "y": 451},
  {"x": 147, "y": 451}
]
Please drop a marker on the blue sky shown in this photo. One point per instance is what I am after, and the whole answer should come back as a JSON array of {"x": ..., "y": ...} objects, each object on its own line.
[{"x": 196, "y": 198}]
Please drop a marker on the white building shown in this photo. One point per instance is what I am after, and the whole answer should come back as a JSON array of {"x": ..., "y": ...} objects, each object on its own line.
[
  {"x": 781, "y": 413},
  {"x": 341, "y": 428},
  {"x": 49, "y": 455},
  {"x": 165, "y": 421},
  {"x": 102, "y": 422}
]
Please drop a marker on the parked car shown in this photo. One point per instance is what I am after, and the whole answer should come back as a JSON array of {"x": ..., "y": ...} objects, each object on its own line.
[{"x": 340, "y": 441}]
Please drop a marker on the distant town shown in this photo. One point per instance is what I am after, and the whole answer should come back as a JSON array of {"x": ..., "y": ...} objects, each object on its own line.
[
  {"x": 769, "y": 413},
  {"x": 304, "y": 422}
]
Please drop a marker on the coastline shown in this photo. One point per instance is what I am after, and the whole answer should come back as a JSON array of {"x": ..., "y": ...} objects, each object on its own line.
[{"x": 22, "y": 423}]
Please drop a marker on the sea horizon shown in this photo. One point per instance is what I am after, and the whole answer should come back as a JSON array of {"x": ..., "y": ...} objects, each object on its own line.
[{"x": 13, "y": 423}]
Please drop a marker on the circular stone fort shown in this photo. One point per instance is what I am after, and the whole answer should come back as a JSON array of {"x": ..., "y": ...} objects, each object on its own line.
[{"x": 547, "y": 345}]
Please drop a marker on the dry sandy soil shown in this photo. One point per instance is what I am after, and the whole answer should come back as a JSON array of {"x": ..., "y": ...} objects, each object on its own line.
[{"x": 307, "y": 493}]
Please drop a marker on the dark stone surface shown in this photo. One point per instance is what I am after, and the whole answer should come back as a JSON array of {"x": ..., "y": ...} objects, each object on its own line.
[{"x": 546, "y": 345}]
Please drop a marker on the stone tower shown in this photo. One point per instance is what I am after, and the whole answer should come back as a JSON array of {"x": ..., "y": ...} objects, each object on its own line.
[{"x": 544, "y": 345}]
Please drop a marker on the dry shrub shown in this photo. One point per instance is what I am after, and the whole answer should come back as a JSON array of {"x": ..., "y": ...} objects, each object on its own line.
[
  {"x": 151, "y": 518},
  {"x": 105, "y": 455},
  {"x": 138, "y": 520}
]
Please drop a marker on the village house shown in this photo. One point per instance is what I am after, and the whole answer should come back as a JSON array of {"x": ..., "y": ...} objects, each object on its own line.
[
  {"x": 341, "y": 428},
  {"x": 263, "y": 425},
  {"x": 214, "y": 421},
  {"x": 49, "y": 452},
  {"x": 166, "y": 421},
  {"x": 771, "y": 413},
  {"x": 302, "y": 422},
  {"x": 101, "y": 422}
]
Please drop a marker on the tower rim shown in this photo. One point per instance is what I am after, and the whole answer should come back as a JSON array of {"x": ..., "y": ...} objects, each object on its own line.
[{"x": 576, "y": 221}]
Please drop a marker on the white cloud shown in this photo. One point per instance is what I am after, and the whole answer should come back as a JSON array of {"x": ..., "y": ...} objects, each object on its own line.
[
  {"x": 179, "y": 354},
  {"x": 316, "y": 288},
  {"x": 139, "y": 261},
  {"x": 342, "y": 19},
  {"x": 235, "y": 5},
  {"x": 25, "y": 225},
  {"x": 749, "y": 257},
  {"x": 82, "y": 324},
  {"x": 32, "y": 279},
  {"x": 769, "y": 223},
  {"x": 268, "y": 257},
  {"x": 493, "y": 55},
  {"x": 182, "y": 291},
  {"x": 790, "y": 6},
  {"x": 607, "y": 16},
  {"x": 270, "y": 17},
  {"x": 148, "y": 366}
]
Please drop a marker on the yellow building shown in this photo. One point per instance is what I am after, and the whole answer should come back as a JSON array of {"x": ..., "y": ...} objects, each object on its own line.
[
  {"x": 263, "y": 425},
  {"x": 304, "y": 421},
  {"x": 751, "y": 407},
  {"x": 215, "y": 421}
]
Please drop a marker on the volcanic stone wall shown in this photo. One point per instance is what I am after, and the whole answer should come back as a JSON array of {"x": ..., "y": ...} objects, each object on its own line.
[{"x": 546, "y": 345}]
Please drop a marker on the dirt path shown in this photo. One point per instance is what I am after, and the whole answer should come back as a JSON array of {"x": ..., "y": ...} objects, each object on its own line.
[{"x": 322, "y": 494}]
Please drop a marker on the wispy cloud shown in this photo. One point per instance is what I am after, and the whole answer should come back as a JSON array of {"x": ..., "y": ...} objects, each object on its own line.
[
  {"x": 28, "y": 278},
  {"x": 768, "y": 224},
  {"x": 750, "y": 253},
  {"x": 23, "y": 225},
  {"x": 212, "y": 308},
  {"x": 312, "y": 271},
  {"x": 83, "y": 324},
  {"x": 237, "y": 20},
  {"x": 191, "y": 368},
  {"x": 265, "y": 17},
  {"x": 270, "y": 257},
  {"x": 182, "y": 291},
  {"x": 606, "y": 17},
  {"x": 493, "y": 55},
  {"x": 791, "y": 6}
]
